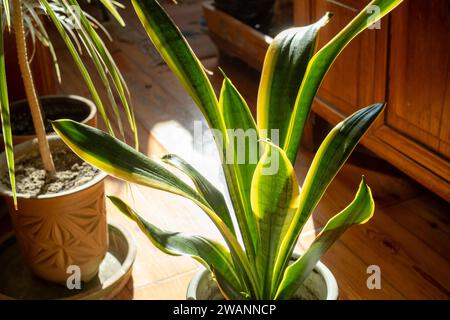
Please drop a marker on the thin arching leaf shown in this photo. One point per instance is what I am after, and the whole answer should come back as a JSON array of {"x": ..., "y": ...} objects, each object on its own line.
[
  {"x": 111, "y": 7},
  {"x": 91, "y": 48},
  {"x": 7, "y": 9},
  {"x": 358, "y": 212},
  {"x": 79, "y": 63},
  {"x": 5, "y": 115},
  {"x": 103, "y": 55},
  {"x": 43, "y": 36},
  {"x": 321, "y": 62}
]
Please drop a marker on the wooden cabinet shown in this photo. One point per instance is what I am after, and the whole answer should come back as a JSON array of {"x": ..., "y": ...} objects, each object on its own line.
[{"x": 405, "y": 62}]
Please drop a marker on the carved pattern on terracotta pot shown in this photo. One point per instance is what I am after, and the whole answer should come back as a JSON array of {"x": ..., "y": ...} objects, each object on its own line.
[
  {"x": 70, "y": 231},
  {"x": 57, "y": 230}
]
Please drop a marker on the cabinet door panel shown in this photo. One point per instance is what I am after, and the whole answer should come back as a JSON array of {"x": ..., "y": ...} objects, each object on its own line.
[
  {"x": 407, "y": 63},
  {"x": 444, "y": 143},
  {"x": 351, "y": 82},
  {"x": 419, "y": 74}
]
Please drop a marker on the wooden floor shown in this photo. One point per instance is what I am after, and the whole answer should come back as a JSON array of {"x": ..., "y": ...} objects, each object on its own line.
[{"x": 408, "y": 238}]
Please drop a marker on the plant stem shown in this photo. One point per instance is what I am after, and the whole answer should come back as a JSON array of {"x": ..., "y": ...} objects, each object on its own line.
[{"x": 27, "y": 77}]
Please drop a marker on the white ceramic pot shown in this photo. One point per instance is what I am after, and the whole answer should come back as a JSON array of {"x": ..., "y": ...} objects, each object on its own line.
[{"x": 320, "y": 285}]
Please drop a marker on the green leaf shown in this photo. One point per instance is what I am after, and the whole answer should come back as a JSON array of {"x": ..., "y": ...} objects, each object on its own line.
[
  {"x": 42, "y": 34},
  {"x": 111, "y": 7},
  {"x": 103, "y": 60},
  {"x": 93, "y": 54},
  {"x": 79, "y": 63},
  {"x": 213, "y": 196},
  {"x": 358, "y": 212},
  {"x": 210, "y": 253},
  {"x": 122, "y": 161},
  {"x": 331, "y": 156},
  {"x": 284, "y": 67},
  {"x": 5, "y": 116},
  {"x": 180, "y": 58},
  {"x": 275, "y": 199},
  {"x": 321, "y": 63},
  {"x": 119, "y": 159},
  {"x": 7, "y": 10},
  {"x": 241, "y": 157}
]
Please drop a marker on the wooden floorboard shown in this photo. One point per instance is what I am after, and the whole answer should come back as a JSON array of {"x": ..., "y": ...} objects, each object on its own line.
[{"x": 409, "y": 236}]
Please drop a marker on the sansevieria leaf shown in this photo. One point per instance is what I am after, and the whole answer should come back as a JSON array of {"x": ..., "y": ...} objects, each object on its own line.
[
  {"x": 275, "y": 199},
  {"x": 95, "y": 146},
  {"x": 284, "y": 67},
  {"x": 321, "y": 62},
  {"x": 331, "y": 156},
  {"x": 122, "y": 161},
  {"x": 358, "y": 212},
  {"x": 180, "y": 58},
  {"x": 270, "y": 208},
  {"x": 213, "y": 196},
  {"x": 210, "y": 253},
  {"x": 240, "y": 159}
]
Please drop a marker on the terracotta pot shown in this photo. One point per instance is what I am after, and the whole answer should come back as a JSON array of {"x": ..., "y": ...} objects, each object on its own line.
[
  {"x": 56, "y": 107},
  {"x": 58, "y": 230},
  {"x": 319, "y": 285},
  {"x": 81, "y": 110}
]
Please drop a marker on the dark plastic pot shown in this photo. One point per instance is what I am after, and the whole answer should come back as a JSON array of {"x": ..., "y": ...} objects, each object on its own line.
[{"x": 256, "y": 13}]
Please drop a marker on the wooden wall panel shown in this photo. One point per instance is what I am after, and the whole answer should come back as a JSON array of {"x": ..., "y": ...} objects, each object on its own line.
[
  {"x": 407, "y": 64},
  {"x": 351, "y": 81},
  {"x": 419, "y": 73}
]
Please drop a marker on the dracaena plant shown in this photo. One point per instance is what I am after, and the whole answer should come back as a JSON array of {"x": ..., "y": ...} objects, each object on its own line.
[
  {"x": 270, "y": 210},
  {"x": 80, "y": 33}
]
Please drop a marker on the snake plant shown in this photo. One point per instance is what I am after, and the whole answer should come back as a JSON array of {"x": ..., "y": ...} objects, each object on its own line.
[{"x": 268, "y": 210}]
